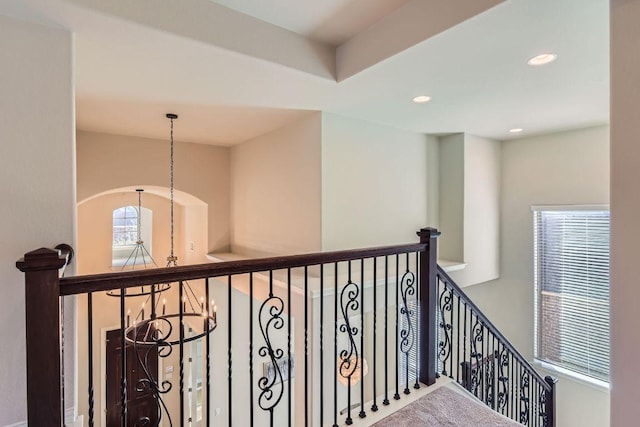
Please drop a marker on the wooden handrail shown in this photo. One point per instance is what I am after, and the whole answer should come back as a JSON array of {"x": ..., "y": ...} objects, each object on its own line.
[{"x": 128, "y": 279}]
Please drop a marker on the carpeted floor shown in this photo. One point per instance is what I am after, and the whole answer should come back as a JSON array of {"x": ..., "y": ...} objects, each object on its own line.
[{"x": 445, "y": 408}]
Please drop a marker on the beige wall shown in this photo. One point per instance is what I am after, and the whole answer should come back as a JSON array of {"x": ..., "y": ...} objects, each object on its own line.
[
  {"x": 481, "y": 211},
  {"x": 275, "y": 181},
  {"x": 106, "y": 162},
  {"x": 469, "y": 206},
  {"x": 37, "y": 176},
  {"x": 374, "y": 182},
  {"x": 95, "y": 230},
  {"x": 625, "y": 208},
  {"x": 451, "y": 200},
  {"x": 562, "y": 168}
]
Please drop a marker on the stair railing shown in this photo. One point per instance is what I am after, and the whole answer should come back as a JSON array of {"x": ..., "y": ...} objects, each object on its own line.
[
  {"x": 473, "y": 352},
  {"x": 300, "y": 340}
]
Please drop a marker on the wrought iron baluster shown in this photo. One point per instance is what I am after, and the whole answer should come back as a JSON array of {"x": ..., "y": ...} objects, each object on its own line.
[
  {"x": 251, "y": 379},
  {"x": 349, "y": 357},
  {"x": 90, "y": 361},
  {"x": 416, "y": 385},
  {"x": 444, "y": 345},
  {"x": 335, "y": 346},
  {"x": 490, "y": 370},
  {"x": 407, "y": 335},
  {"x": 386, "y": 333},
  {"x": 208, "y": 353},
  {"x": 123, "y": 362},
  {"x": 270, "y": 320},
  {"x": 477, "y": 333},
  {"x": 229, "y": 351},
  {"x": 464, "y": 344},
  {"x": 289, "y": 400},
  {"x": 181, "y": 348},
  {"x": 396, "y": 396},
  {"x": 321, "y": 394},
  {"x": 542, "y": 401},
  {"x": 362, "y": 413},
  {"x": 156, "y": 333},
  {"x": 503, "y": 379},
  {"x": 458, "y": 341},
  {"x": 374, "y": 406},
  {"x": 524, "y": 397},
  {"x": 306, "y": 346}
]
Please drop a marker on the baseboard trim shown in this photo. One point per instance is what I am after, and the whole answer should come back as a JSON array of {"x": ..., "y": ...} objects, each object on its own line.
[{"x": 20, "y": 424}]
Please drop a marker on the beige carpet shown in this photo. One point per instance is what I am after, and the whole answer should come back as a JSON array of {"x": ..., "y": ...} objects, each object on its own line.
[{"x": 445, "y": 408}]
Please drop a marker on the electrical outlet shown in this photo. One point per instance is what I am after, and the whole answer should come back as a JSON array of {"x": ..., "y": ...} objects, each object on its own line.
[
  {"x": 192, "y": 246},
  {"x": 217, "y": 411}
]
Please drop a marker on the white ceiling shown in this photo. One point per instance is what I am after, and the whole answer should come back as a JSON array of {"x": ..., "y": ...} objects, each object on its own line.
[
  {"x": 240, "y": 78},
  {"x": 328, "y": 21}
]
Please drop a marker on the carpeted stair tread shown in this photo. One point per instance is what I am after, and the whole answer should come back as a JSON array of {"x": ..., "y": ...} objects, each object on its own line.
[{"x": 446, "y": 408}]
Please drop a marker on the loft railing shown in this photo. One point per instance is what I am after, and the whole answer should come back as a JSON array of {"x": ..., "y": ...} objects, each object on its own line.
[{"x": 301, "y": 340}]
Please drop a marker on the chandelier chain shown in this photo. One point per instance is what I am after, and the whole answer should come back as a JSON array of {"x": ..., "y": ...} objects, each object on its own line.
[
  {"x": 172, "y": 257},
  {"x": 139, "y": 241}
]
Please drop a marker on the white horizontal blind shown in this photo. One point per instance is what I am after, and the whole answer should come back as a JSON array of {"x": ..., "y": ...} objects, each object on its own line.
[{"x": 571, "y": 258}]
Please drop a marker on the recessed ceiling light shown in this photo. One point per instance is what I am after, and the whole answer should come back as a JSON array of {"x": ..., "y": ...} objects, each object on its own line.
[
  {"x": 516, "y": 130},
  {"x": 421, "y": 99},
  {"x": 542, "y": 59}
]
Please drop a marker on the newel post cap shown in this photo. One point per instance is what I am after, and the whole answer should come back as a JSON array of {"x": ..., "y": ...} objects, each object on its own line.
[
  {"x": 428, "y": 232},
  {"x": 41, "y": 259}
]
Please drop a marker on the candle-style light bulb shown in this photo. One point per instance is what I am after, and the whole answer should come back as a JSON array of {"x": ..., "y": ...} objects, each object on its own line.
[
  {"x": 128, "y": 317},
  {"x": 164, "y": 306},
  {"x": 142, "y": 311}
]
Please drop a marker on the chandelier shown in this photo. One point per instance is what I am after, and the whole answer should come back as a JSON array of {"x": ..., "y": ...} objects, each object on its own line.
[{"x": 195, "y": 316}]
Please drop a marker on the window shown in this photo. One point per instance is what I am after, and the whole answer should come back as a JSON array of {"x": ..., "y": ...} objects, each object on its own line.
[
  {"x": 125, "y": 234},
  {"x": 571, "y": 256},
  {"x": 125, "y": 226}
]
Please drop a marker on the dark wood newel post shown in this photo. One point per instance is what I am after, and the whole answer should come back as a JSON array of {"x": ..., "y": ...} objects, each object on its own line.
[
  {"x": 550, "y": 402},
  {"x": 428, "y": 305},
  {"x": 42, "y": 309}
]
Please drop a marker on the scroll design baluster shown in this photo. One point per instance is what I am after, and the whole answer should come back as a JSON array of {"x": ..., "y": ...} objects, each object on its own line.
[
  {"x": 156, "y": 335},
  {"x": 503, "y": 379},
  {"x": 489, "y": 381},
  {"x": 349, "y": 360},
  {"x": 542, "y": 402},
  {"x": 444, "y": 345},
  {"x": 271, "y": 320},
  {"x": 524, "y": 398},
  {"x": 349, "y": 302},
  {"x": 407, "y": 333},
  {"x": 477, "y": 333}
]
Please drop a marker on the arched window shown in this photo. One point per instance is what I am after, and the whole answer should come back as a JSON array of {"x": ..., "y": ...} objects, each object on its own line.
[{"x": 125, "y": 234}]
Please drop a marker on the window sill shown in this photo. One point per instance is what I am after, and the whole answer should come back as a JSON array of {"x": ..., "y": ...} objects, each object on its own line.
[
  {"x": 573, "y": 376},
  {"x": 449, "y": 266}
]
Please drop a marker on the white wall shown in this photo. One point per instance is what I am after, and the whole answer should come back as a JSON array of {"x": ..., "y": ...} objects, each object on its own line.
[
  {"x": 275, "y": 190},
  {"x": 561, "y": 168},
  {"x": 374, "y": 181},
  {"x": 38, "y": 175},
  {"x": 625, "y": 209}
]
